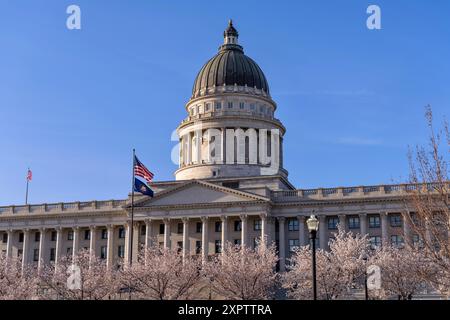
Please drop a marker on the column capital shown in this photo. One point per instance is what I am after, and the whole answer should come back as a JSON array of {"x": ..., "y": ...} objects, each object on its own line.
[
  {"x": 92, "y": 227},
  {"x": 42, "y": 229},
  {"x": 26, "y": 230},
  {"x": 223, "y": 218},
  {"x": 322, "y": 218},
  {"x": 185, "y": 219},
  {"x": 362, "y": 214},
  {"x": 204, "y": 219},
  {"x": 263, "y": 216},
  {"x": 148, "y": 221},
  {"x": 301, "y": 218},
  {"x": 76, "y": 228},
  {"x": 166, "y": 220},
  {"x": 281, "y": 219},
  {"x": 110, "y": 226},
  {"x": 243, "y": 216}
]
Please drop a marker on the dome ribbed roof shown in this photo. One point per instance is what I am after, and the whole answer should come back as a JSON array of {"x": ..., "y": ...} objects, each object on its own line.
[{"x": 230, "y": 66}]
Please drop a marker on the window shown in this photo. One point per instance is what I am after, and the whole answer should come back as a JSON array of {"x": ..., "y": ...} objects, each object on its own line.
[
  {"x": 179, "y": 246},
  {"x": 332, "y": 223},
  {"x": 70, "y": 235},
  {"x": 207, "y": 107},
  {"x": 232, "y": 184},
  {"x": 198, "y": 247},
  {"x": 5, "y": 238},
  {"x": 230, "y": 105},
  {"x": 252, "y": 106},
  {"x": 121, "y": 251},
  {"x": 103, "y": 252},
  {"x": 353, "y": 222},
  {"x": 293, "y": 244},
  {"x": 241, "y": 105},
  {"x": 53, "y": 236},
  {"x": 237, "y": 225},
  {"x": 21, "y": 237},
  {"x": 87, "y": 234},
  {"x": 37, "y": 236},
  {"x": 19, "y": 252},
  {"x": 143, "y": 230},
  {"x": 161, "y": 228},
  {"x": 179, "y": 228},
  {"x": 218, "y": 226},
  {"x": 218, "y": 246},
  {"x": 396, "y": 220},
  {"x": 218, "y": 106},
  {"x": 255, "y": 243},
  {"x": 417, "y": 241},
  {"x": 121, "y": 232},
  {"x": 257, "y": 225},
  {"x": 104, "y": 234},
  {"x": 374, "y": 221},
  {"x": 375, "y": 242},
  {"x": 198, "y": 227},
  {"x": 397, "y": 241},
  {"x": 36, "y": 255},
  {"x": 293, "y": 224},
  {"x": 69, "y": 251},
  {"x": 237, "y": 242},
  {"x": 52, "y": 254}
]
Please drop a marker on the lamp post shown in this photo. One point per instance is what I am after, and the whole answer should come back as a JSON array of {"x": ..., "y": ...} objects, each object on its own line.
[
  {"x": 366, "y": 290},
  {"x": 313, "y": 226}
]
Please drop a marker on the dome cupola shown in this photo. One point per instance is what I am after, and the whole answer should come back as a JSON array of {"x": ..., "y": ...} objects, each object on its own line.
[{"x": 230, "y": 67}]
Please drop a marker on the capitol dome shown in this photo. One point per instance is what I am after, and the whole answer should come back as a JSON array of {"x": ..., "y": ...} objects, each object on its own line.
[{"x": 230, "y": 67}]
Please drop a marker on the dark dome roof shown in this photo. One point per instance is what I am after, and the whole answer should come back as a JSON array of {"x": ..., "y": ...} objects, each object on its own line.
[{"x": 230, "y": 66}]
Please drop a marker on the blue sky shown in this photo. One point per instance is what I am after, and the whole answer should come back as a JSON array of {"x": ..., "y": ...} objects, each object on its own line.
[{"x": 73, "y": 104}]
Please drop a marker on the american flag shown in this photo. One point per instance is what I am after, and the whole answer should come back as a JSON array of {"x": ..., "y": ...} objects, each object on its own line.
[
  {"x": 29, "y": 175},
  {"x": 141, "y": 171}
]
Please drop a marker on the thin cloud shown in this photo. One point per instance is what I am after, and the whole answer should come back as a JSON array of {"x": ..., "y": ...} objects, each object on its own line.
[{"x": 354, "y": 141}]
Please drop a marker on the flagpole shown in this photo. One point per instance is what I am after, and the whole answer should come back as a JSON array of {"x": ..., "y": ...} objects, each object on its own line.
[
  {"x": 132, "y": 213},
  {"x": 26, "y": 193}
]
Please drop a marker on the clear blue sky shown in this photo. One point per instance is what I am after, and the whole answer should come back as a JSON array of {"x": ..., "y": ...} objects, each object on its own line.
[{"x": 73, "y": 104}]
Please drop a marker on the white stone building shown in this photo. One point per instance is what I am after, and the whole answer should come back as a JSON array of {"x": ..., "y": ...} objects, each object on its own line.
[{"x": 230, "y": 186}]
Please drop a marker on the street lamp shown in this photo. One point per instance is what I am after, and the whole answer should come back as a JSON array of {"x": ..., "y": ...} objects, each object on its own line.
[
  {"x": 313, "y": 226},
  {"x": 366, "y": 290}
]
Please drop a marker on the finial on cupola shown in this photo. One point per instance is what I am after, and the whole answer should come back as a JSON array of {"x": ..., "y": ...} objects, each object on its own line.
[{"x": 230, "y": 34}]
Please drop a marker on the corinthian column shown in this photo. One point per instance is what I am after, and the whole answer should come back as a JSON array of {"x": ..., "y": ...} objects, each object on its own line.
[
  {"x": 205, "y": 240},
  {"x": 244, "y": 239},
  {"x": 282, "y": 243},
  {"x": 322, "y": 232},
  {"x": 185, "y": 237},
  {"x": 42, "y": 249},
  {"x": 167, "y": 233}
]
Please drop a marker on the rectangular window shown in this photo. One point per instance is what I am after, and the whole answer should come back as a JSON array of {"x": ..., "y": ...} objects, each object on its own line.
[
  {"x": 218, "y": 246},
  {"x": 121, "y": 251},
  {"x": 397, "y": 241},
  {"x": 218, "y": 226},
  {"x": 37, "y": 236},
  {"x": 36, "y": 255},
  {"x": 293, "y": 224},
  {"x": 5, "y": 238},
  {"x": 87, "y": 234},
  {"x": 207, "y": 107},
  {"x": 19, "y": 253},
  {"x": 69, "y": 251},
  {"x": 103, "y": 252},
  {"x": 230, "y": 105},
  {"x": 241, "y": 105},
  {"x": 198, "y": 247},
  {"x": 70, "y": 235},
  {"x": 179, "y": 246},
  {"x": 374, "y": 221},
  {"x": 104, "y": 234},
  {"x": 375, "y": 242},
  {"x": 396, "y": 220},
  {"x": 237, "y": 242},
  {"x": 293, "y": 244},
  {"x": 180, "y": 228},
  {"x": 52, "y": 254},
  {"x": 237, "y": 225},
  {"x": 332, "y": 223},
  {"x": 21, "y": 237},
  {"x": 252, "y": 106},
  {"x": 257, "y": 225},
  {"x": 198, "y": 227},
  {"x": 53, "y": 236},
  {"x": 218, "y": 106},
  {"x": 143, "y": 230},
  {"x": 121, "y": 233},
  {"x": 161, "y": 228},
  {"x": 353, "y": 222}
]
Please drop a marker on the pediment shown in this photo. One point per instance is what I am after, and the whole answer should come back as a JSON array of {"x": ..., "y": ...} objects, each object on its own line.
[{"x": 199, "y": 192}]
